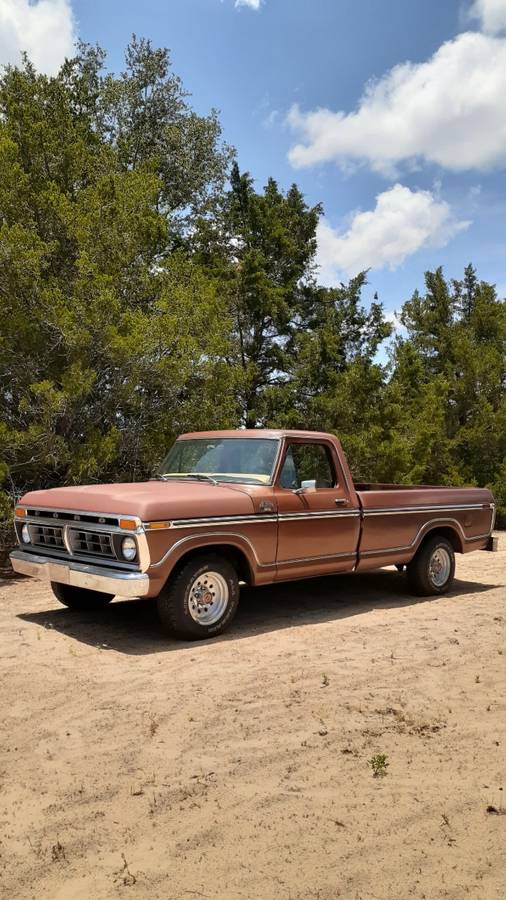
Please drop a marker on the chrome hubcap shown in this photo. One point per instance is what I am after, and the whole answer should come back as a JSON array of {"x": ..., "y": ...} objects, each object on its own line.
[
  {"x": 440, "y": 567},
  {"x": 208, "y": 598}
]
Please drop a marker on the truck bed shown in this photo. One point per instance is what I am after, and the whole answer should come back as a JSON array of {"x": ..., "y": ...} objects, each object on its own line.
[{"x": 396, "y": 516}]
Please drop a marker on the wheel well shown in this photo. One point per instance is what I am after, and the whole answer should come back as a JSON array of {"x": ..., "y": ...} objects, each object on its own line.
[
  {"x": 234, "y": 556},
  {"x": 449, "y": 533}
]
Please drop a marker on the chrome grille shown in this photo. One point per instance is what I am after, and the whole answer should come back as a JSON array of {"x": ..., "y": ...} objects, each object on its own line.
[
  {"x": 47, "y": 536},
  {"x": 96, "y": 543}
]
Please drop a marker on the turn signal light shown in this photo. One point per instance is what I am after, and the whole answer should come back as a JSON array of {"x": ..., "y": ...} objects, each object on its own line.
[
  {"x": 154, "y": 525},
  {"x": 128, "y": 524},
  {"x": 20, "y": 512}
]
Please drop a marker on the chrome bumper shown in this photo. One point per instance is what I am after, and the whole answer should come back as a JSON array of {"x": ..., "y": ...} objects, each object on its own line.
[{"x": 95, "y": 578}]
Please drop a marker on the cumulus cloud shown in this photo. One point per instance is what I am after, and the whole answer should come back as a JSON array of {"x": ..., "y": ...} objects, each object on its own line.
[
  {"x": 448, "y": 110},
  {"x": 44, "y": 29},
  {"x": 253, "y": 4},
  {"x": 402, "y": 222},
  {"x": 491, "y": 13}
]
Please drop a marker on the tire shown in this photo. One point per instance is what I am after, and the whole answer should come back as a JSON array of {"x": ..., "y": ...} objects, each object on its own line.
[
  {"x": 80, "y": 598},
  {"x": 182, "y": 606},
  {"x": 432, "y": 570}
]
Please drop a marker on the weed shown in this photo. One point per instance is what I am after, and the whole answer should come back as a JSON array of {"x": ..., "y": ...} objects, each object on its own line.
[
  {"x": 154, "y": 725},
  {"x": 58, "y": 852},
  {"x": 325, "y": 680},
  {"x": 379, "y": 765}
]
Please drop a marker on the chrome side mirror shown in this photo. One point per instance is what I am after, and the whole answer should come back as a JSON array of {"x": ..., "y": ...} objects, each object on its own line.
[{"x": 309, "y": 485}]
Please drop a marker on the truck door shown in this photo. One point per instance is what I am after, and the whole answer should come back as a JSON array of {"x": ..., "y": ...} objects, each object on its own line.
[{"x": 318, "y": 526}]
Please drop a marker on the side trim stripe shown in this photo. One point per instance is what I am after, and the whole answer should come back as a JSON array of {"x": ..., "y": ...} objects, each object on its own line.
[
  {"x": 257, "y": 518},
  {"x": 327, "y": 556},
  {"x": 391, "y": 511},
  {"x": 319, "y": 514}
]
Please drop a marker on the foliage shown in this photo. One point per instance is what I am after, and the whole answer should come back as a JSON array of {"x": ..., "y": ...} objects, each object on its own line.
[
  {"x": 379, "y": 765},
  {"x": 140, "y": 296},
  {"x": 112, "y": 338}
]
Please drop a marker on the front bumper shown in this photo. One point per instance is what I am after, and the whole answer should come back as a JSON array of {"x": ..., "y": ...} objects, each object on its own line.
[{"x": 94, "y": 578}]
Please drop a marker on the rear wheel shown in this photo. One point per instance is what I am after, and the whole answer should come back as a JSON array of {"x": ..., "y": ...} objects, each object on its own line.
[
  {"x": 80, "y": 598},
  {"x": 432, "y": 570},
  {"x": 201, "y": 599}
]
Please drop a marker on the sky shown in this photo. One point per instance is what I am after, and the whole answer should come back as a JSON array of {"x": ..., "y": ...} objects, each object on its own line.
[{"x": 391, "y": 113}]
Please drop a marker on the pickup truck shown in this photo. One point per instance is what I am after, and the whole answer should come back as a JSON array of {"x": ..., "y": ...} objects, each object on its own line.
[{"x": 247, "y": 506}]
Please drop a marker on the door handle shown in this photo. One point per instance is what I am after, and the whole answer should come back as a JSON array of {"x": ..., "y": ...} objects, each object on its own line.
[{"x": 340, "y": 501}]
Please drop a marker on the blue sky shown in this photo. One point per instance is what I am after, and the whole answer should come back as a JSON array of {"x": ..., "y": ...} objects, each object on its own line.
[{"x": 411, "y": 176}]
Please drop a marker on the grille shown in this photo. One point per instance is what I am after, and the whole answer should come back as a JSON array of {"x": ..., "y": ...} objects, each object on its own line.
[
  {"x": 47, "y": 536},
  {"x": 96, "y": 543}
]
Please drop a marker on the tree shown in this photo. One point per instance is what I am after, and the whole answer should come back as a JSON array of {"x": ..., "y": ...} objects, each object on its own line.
[
  {"x": 451, "y": 373},
  {"x": 261, "y": 249},
  {"x": 108, "y": 331}
]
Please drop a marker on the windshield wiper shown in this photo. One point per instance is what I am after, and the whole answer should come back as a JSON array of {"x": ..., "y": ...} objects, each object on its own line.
[
  {"x": 199, "y": 476},
  {"x": 195, "y": 476}
]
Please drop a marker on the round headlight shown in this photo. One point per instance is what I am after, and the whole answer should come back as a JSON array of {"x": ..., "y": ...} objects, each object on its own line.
[
  {"x": 25, "y": 534},
  {"x": 128, "y": 548}
]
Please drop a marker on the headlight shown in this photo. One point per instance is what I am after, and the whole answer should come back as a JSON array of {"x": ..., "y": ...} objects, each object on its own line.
[
  {"x": 25, "y": 534},
  {"x": 128, "y": 548}
]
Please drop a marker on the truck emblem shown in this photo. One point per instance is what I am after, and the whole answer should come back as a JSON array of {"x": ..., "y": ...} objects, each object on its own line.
[
  {"x": 77, "y": 518},
  {"x": 55, "y": 515},
  {"x": 102, "y": 521}
]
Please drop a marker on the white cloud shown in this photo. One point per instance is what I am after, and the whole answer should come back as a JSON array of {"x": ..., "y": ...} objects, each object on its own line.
[
  {"x": 491, "y": 13},
  {"x": 253, "y": 4},
  {"x": 44, "y": 29},
  {"x": 448, "y": 110},
  {"x": 402, "y": 222}
]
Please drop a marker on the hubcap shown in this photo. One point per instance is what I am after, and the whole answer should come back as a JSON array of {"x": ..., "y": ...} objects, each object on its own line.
[
  {"x": 440, "y": 567},
  {"x": 208, "y": 598}
]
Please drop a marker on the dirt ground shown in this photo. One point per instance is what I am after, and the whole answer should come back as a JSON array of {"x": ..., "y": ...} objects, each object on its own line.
[{"x": 134, "y": 766}]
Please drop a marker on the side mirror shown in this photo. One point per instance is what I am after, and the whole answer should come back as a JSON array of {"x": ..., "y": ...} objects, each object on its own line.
[{"x": 309, "y": 485}]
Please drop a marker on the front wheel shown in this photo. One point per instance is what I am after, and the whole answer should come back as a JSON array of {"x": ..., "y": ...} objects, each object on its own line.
[
  {"x": 201, "y": 599},
  {"x": 432, "y": 570},
  {"x": 80, "y": 598}
]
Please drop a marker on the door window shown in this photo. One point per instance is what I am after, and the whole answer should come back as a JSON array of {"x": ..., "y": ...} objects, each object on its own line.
[{"x": 307, "y": 466}]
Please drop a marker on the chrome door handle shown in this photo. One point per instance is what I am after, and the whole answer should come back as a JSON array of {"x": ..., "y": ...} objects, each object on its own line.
[{"x": 340, "y": 501}]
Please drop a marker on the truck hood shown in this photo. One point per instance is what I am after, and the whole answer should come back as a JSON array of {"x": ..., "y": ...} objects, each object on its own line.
[{"x": 150, "y": 500}]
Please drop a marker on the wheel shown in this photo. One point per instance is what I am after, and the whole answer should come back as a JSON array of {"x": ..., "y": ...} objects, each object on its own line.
[
  {"x": 79, "y": 598},
  {"x": 432, "y": 569},
  {"x": 201, "y": 599}
]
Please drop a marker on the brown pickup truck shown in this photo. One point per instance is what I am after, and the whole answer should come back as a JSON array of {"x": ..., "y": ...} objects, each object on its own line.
[{"x": 241, "y": 506}]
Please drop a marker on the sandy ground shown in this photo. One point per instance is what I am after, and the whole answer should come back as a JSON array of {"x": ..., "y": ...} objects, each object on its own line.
[{"x": 239, "y": 768}]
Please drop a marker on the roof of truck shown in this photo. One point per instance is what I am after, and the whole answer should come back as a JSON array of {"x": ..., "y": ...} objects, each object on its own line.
[{"x": 270, "y": 433}]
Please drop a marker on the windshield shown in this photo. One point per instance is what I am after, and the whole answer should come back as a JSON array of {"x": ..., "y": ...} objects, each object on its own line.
[{"x": 247, "y": 460}]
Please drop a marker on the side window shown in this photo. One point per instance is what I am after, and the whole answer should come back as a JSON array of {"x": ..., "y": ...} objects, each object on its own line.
[{"x": 307, "y": 465}]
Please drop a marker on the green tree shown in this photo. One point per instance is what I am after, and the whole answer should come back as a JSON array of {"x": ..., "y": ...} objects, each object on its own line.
[
  {"x": 112, "y": 337},
  {"x": 261, "y": 249},
  {"x": 450, "y": 373}
]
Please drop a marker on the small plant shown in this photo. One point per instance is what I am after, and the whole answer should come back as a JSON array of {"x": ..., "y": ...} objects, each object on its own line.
[
  {"x": 379, "y": 765},
  {"x": 154, "y": 724},
  {"x": 325, "y": 680},
  {"x": 58, "y": 852}
]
